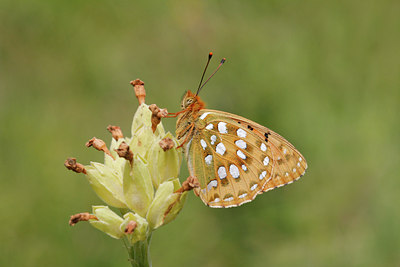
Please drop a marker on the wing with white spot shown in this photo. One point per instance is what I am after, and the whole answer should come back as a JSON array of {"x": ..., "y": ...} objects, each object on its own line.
[
  {"x": 231, "y": 163},
  {"x": 235, "y": 159}
]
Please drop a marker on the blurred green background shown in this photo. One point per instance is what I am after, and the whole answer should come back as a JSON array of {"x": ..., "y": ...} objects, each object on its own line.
[{"x": 324, "y": 74}]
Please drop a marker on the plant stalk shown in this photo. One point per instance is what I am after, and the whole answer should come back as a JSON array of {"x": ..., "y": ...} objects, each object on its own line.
[{"x": 139, "y": 252}]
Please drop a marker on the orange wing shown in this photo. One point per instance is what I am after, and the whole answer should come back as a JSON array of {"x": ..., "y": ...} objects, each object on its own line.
[{"x": 235, "y": 159}]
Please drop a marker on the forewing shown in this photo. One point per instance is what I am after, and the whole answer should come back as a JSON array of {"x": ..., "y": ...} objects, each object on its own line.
[{"x": 235, "y": 159}]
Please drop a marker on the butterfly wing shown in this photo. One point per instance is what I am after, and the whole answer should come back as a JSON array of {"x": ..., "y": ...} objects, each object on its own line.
[{"x": 235, "y": 159}]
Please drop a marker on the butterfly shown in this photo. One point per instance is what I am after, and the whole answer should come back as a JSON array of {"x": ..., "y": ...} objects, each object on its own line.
[{"x": 233, "y": 158}]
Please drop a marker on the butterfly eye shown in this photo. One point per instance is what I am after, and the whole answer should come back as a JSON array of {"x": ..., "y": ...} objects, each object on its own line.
[{"x": 189, "y": 101}]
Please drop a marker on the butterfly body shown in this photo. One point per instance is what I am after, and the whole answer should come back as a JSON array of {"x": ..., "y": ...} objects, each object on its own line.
[{"x": 234, "y": 159}]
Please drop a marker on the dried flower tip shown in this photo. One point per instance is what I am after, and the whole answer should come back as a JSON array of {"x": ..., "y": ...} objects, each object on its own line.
[
  {"x": 124, "y": 152},
  {"x": 130, "y": 227},
  {"x": 99, "y": 145},
  {"x": 155, "y": 119},
  {"x": 166, "y": 144},
  {"x": 115, "y": 131},
  {"x": 140, "y": 93},
  {"x": 156, "y": 115},
  {"x": 85, "y": 216},
  {"x": 72, "y": 165},
  {"x": 163, "y": 113},
  {"x": 189, "y": 184}
]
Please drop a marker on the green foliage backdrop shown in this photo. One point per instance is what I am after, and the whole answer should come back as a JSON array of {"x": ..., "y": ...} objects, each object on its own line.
[{"x": 324, "y": 74}]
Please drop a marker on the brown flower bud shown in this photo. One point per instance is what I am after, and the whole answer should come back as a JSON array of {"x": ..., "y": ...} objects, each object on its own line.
[
  {"x": 99, "y": 145},
  {"x": 115, "y": 132},
  {"x": 85, "y": 216},
  {"x": 189, "y": 184},
  {"x": 130, "y": 227},
  {"x": 156, "y": 116},
  {"x": 124, "y": 152},
  {"x": 71, "y": 164},
  {"x": 140, "y": 93},
  {"x": 166, "y": 144}
]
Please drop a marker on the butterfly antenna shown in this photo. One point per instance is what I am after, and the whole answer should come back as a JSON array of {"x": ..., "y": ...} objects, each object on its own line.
[
  {"x": 204, "y": 72},
  {"x": 219, "y": 66}
]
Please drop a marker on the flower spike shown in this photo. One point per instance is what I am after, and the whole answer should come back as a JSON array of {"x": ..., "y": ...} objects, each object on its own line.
[{"x": 138, "y": 177}]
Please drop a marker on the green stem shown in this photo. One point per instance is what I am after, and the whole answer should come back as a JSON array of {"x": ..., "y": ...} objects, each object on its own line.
[{"x": 139, "y": 252}]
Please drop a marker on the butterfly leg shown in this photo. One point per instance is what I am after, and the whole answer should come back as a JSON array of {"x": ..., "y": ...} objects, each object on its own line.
[
  {"x": 174, "y": 115},
  {"x": 188, "y": 135}
]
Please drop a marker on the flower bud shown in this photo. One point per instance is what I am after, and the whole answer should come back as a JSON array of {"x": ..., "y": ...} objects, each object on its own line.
[
  {"x": 166, "y": 204},
  {"x": 107, "y": 184},
  {"x": 125, "y": 152},
  {"x": 118, "y": 163},
  {"x": 142, "y": 118},
  {"x": 142, "y": 141},
  {"x": 99, "y": 145},
  {"x": 137, "y": 186},
  {"x": 107, "y": 221},
  {"x": 164, "y": 165},
  {"x": 139, "y": 90},
  {"x": 115, "y": 132},
  {"x": 142, "y": 227}
]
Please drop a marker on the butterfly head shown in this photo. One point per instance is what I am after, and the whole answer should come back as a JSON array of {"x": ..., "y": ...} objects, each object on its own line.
[{"x": 191, "y": 101}]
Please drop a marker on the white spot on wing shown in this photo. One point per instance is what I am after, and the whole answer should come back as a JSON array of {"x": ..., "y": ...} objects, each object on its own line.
[
  {"x": 212, "y": 184},
  {"x": 294, "y": 169},
  {"x": 208, "y": 159},
  {"x": 243, "y": 195},
  {"x": 210, "y": 126},
  {"x": 244, "y": 167},
  {"x": 298, "y": 164},
  {"x": 284, "y": 151},
  {"x": 286, "y": 174},
  {"x": 203, "y": 143},
  {"x": 228, "y": 199},
  {"x": 253, "y": 187},
  {"x": 204, "y": 115},
  {"x": 222, "y": 172},
  {"x": 241, "y": 154},
  {"x": 263, "y": 147},
  {"x": 234, "y": 171},
  {"x": 216, "y": 200},
  {"x": 266, "y": 161},
  {"x": 221, "y": 149},
  {"x": 222, "y": 127},
  {"x": 262, "y": 175},
  {"x": 241, "y": 144},
  {"x": 300, "y": 159},
  {"x": 241, "y": 133},
  {"x": 213, "y": 139}
]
